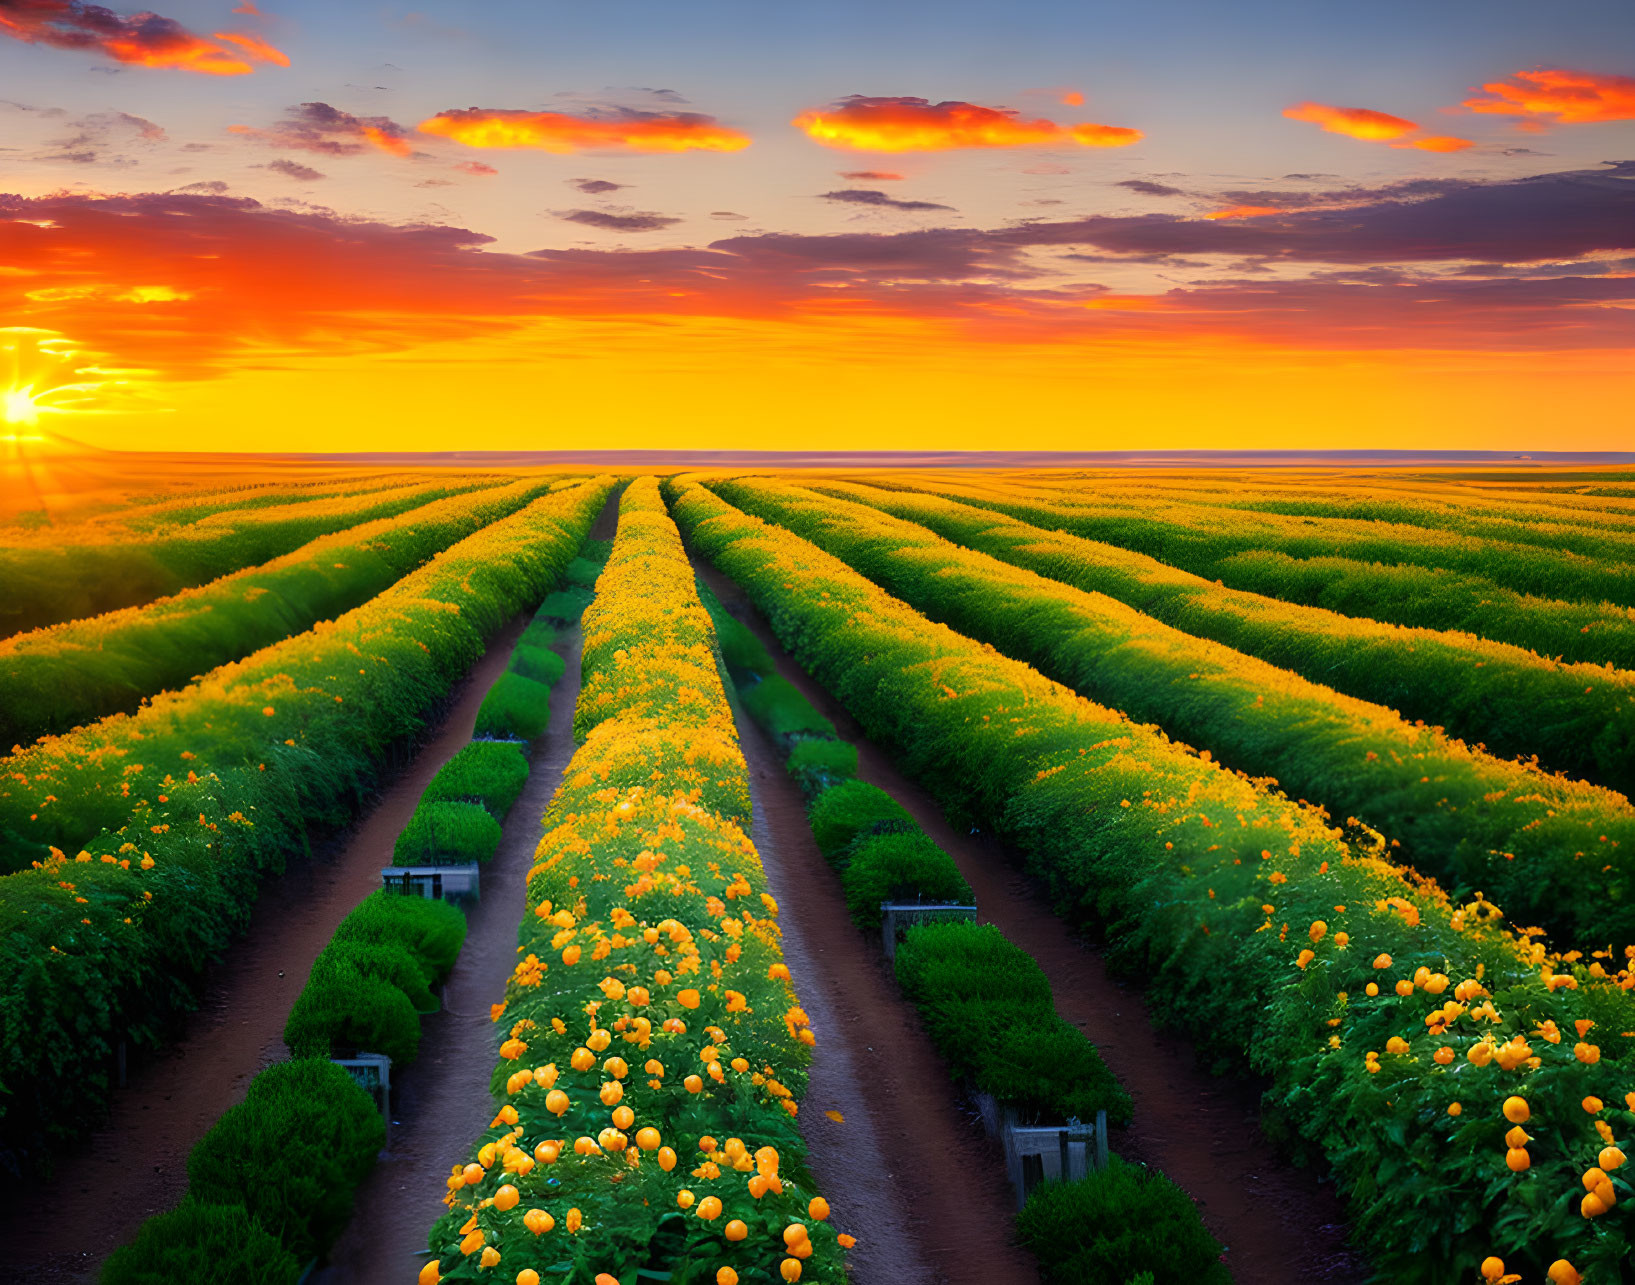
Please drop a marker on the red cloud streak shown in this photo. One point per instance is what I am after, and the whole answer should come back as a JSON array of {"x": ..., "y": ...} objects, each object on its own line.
[
  {"x": 866, "y": 124},
  {"x": 143, "y": 39},
  {"x": 1558, "y": 97}
]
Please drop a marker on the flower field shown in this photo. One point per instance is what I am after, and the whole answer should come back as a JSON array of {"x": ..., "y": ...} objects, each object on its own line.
[{"x": 1334, "y": 772}]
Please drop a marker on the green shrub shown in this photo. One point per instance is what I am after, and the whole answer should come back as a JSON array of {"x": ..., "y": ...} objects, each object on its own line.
[
  {"x": 582, "y": 572},
  {"x": 488, "y": 772},
  {"x": 540, "y": 632},
  {"x": 778, "y": 706},
  {"x": 987, "y": 1006},
  {"x": 203, "y": 1245},
  {"x": 292, "y": 1153},
  {"x": 447, "y": 834},
  {"x": 817, "y": 764},
  {"x": 565, "y": 605},
  {"x": 597, "y": 551},
  {"x": 741, "y": 650},
  {"x": 515, "y": 707},
  {"x": 899, "y": 867},
  {"x": 1117, "y": 1224},
  {"x": 433, "y": 931},
  {"x": 849, "y": 809},
  {"x": 538, "y": 663},
  {"x": 345, "y": 1009}
]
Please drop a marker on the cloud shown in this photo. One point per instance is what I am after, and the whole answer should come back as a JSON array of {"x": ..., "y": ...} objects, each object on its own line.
[
  {"x": 604, "y": 129},
  {"x": 865, "y": 196},
  {"x": 596, "y": 186},
  {"x": 868, "y": 124},
  {"x": 248, "y": 8},
  {"x": 213, "y": 187},
  {"x": 1149, "y": 188},
  {"x": 1374, "y": 127},
  {"x": 96, "y": 135},
  {"x": 729, "y": 216},
  {"x": 1556, "y": 96},
  {"x": 142, "y": 39},
  {"x": 293, "y": 169},
  {"x": 870, "y": 176},
  {"x": 477, "y": 168},
  {"x": 318, "y": 127},
  {"x": 637, "y": 222}
]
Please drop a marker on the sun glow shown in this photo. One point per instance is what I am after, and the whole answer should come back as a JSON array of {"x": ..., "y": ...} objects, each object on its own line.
[{"x": 48, "y": 375}]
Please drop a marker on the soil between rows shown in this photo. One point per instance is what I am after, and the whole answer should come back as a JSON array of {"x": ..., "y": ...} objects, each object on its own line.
[
  {"x": 1279, "y": 1224},
  {"x": 135, "y": 1164}
]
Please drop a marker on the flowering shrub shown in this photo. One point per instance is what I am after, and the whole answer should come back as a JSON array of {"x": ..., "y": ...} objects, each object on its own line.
[
  {"x": 1395, "y": 1025},
  {"x": 175, "y": 813},
  {"x": 653, "y": 1051}
]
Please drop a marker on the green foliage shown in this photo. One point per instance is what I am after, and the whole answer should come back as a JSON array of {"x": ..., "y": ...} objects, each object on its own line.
[
  {"x": 537, "y": 663},
  {"x": 515, "y": 707},
  {"x": 564, "y": 606},
  {"x": 432, "y": 931},
  {"x": 1464, "y": 817},
  {"x": 352, "y": 1003},
  {"x": 292, "y": 1153},
  {"x": 817, "y": 764},
  {"x": 447, "y": 834},
  {"x": 488, "y": 772},
  {"x": 741, "y": 650},
  {"x": 202, "y": 1244},
  {"x": 540, "y": 633},
  {"x": 74, "y": 673},
  {"x": 1577, "y": 718},
  {"x": 582, "y": 572},
  {"x": 987, "y": 1006},
  {"x": 899, "y": 867},
  {"x": 1123, "y": 1223},
  {"x": 840, "y": 814},
  {"x": 55, "y": 576},
  {"x": 778, "y": 705},
  {"x": 266, "y": 785}
]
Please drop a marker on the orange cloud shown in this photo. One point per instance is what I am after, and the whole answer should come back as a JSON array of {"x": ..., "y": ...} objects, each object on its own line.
[
  {"x": 1353, "y": 122},
  {"x": 918, "y": 125},
  {"x": 560, "y": 132},
  {"x": 142, "y": 39},
  {"x": 318, "y": 127},
  {"x": 1560, "y": 97},
  {"x": 1243, "y": 212},
  {"x": 1373, "y": 127},
  {"x": 1072, "y": 98}
]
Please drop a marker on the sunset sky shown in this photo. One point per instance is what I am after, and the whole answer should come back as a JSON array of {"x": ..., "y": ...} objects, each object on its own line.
[{"x": 301, "y": 226}]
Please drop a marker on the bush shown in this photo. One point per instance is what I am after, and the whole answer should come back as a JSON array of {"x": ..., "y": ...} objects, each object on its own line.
[
  {"x": 741, "y": 650},
  {"x": 515, "y": 707},
  {"x": 203, "y": 1245},
  {"x": 582, "y": 572},
  {"x": 351, "y": 1005},
  {"x": 899, "y": 867},
  {"x": 447, "y": 834},
  {"x": 538, "y": 663},
  {"x": 777, "y": 705},
  {"x": 987, "y": 1006},
  {"x": 491, "y": 773},
  {"x": 292, "y": 1153},
  {"x": 540, "y": 632},
  {"x": 817, "y": 764},
  {"x": 565, "y": 605},
  {"x": 433, "y": 931},
  {"x": 1117, "y": 1224},
  {"x": 849, "y": 809}
]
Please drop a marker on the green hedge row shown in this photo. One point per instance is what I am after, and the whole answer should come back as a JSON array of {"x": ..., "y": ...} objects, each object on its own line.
[
  {"x": 178, "y": 812},
  {"x": 58, "y": 678},
  {"x": 491, "y": 773},
  {"x": 1578, "y": 719},
  {"x": 1255, "y": 928},
  {"x": 1551, "y": 851},
  {"x": 58, "y": 575}
]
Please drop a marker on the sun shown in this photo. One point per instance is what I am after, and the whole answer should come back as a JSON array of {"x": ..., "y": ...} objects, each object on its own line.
[{"x": 18, "y": 409}]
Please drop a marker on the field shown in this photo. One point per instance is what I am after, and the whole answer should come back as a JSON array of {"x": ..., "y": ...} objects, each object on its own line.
[{"x": 1277, "y": 824}]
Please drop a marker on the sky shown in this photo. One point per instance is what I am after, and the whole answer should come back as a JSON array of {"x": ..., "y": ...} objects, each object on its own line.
[{"x": 284, "y": 225}]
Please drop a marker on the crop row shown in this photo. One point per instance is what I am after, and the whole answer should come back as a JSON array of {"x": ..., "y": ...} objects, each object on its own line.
[
  {"x": 1393, "y": 1025},
  {"x": 88, "y": 570},
  {"x": 154, "y": 512},
  {"x": 1578, "y": 719},
  {"x": 177, "y": 812},
  {"x": 1551, "y": 851},
  {"x": 72, "y": 673},
  {"x": 1375, "y": 580},
  {"x": 654, "y": 1050}
]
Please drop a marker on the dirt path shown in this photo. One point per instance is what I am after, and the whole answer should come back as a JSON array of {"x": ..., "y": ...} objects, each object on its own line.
[
  {"x": 135, "y": 1164},
  {"x": 442, "y": 1100},
  {"x": 1280, "y": 1224},
  {"x": 907, "y": 1170}
]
